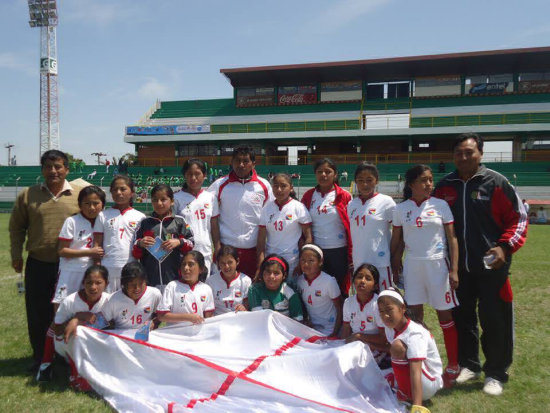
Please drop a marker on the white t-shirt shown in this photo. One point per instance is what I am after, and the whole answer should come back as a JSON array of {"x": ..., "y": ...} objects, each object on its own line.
[
  {"x": 80, "y": 232},
  {"x": 130, "y": 314},
  {"x": 118, "y": 230},
  {"x": 362, "y": 318},
  {"x": 328, "y": 230},
  {"x": 317, "y": 296},
  {"x": 75, "y": 303},
  {"x": 423, "y": 230},
  {"x": 179, "y": 298},
  {"x": 284, "y": 226},
  {"x": 197, "y": 212},
  {"x": 370, "y": 224},
  {"x": 420, "y": 346},
  {"x": 228, "y": 295}
]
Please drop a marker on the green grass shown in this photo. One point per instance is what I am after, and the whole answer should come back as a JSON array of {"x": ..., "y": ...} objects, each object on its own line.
[{"x": 526, "y": 391}]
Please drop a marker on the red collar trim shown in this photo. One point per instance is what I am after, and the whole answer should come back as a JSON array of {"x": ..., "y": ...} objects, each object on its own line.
[
  {"x": 313, "y": 279},
  {"x": 420, "y": 203},
  {"x": 180, "y": 279},
  {"x": 323, "y": 194},
  {"x": 281, "y": 206},
  {"x": 403, "y": 329},
  {"x": 123, "y": 211},
  {"x": 139, "y": 298},
  {"x": 366, "y": 199},
  {"x": 85, "y": 299},
  {"x": 237, "y": 274},
  {"x": 91, "y": 221},
  {"x": 189, "y": 192},
  {"x": 232, "y": 177},
  {"x": 362, "y": 306}
]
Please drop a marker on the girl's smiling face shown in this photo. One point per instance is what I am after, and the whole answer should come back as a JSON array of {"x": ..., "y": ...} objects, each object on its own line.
[
  {"x": 422, "y": 186},
  {"x": 162, "y": 203},
  {"x": 135, "y": 288},
  {"x": 273, "y": 276},
  {"x": 91, "y": 206},
  {"x": 325, "y": 176},
  {"x": 366, "y": 183},
  {"x": 310, "y": 263},
  {"x": 228, "y": 266},
  {"x": 281, "y": 189},
  {"x": 392, "y": 313}
]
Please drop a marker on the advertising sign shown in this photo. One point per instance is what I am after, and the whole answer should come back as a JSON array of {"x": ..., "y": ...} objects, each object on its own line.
[
  {"x": 48, "y": 65},
  {"x": 167, "y": 130},
  {"x": 297, "y": 95},
  {"x": 341, "y": 91},
  {"x": 486, "y": 88},
  {"x": 255, "y": 96}
]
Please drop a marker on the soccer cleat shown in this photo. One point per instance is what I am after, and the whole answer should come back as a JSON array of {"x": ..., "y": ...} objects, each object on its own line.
[
  {"x": 492, "y": 387},
  {"x": 466, "y": 375},
  {"x": 449, "y": 377},
  {"x": 44, "y": 373}
]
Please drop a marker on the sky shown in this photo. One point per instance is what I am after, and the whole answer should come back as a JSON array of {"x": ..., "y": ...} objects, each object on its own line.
[{"x": 117, "y": 57}]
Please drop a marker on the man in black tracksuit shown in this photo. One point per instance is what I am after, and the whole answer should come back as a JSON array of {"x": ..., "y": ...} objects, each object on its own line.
[{"x": 490, "y": 220}]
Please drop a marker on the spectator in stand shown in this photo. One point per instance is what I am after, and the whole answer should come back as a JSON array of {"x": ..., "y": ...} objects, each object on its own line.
[
  {"x": 107, "y": 164},
  {"x": 541, "y": 216},
  {"x": 92, "y": 174},
  {"x": 525, "y": 205}
]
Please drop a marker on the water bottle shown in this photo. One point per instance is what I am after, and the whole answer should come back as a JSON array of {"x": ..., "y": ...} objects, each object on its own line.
[{"x": 20, "y": 284}]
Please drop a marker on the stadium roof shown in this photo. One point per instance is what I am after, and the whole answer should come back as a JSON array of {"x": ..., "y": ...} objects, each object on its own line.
[{"x": 534, "y": 59}]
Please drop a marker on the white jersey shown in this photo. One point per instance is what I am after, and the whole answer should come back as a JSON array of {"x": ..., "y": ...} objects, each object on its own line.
[
  {"x": 370, "y": 224},
  {"x": 130, "y": 314},
  {"x": 118, "y": 230},
  {"x": 75, "y": 303},
  {"x": 328, "y": 230},
  {"x": 227, "y": 296},
  {"x": 317, "y": 296},
  {"x": 423, "y": 230},
  {"x": 420, "y": 346},
  {"x": 362, "y": 318},
  {"x": 197, "y": 212},
  {"x": 179, "y": 298},
  {"x": 240, "y": 206},
  {"x": 80, "y": 232},
  {"x": 283, "y": 226}
]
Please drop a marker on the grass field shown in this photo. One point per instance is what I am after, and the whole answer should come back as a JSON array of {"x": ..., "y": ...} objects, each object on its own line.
[{"x": 527, "y": 391}]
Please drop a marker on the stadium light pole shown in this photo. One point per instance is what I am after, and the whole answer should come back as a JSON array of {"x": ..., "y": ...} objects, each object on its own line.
[
  {"x": 8, "y": 147},
  {"x": 43, "y": 14}
]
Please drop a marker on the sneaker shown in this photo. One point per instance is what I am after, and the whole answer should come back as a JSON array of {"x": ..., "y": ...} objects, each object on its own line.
[
  {"x": 466, "y": 375},
  {"x": 492, "y": 386},
  {"x": 449, "y": 377},
  {"x": 44, "y": 373}
]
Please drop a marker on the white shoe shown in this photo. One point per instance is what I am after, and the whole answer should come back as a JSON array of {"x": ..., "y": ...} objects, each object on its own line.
[
  {"x": 492, "y": 386},
  {"x": 466, "y": 375}
]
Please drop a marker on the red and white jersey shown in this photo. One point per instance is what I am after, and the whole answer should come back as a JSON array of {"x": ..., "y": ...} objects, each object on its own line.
[
  {"x": 180, "y": 298},
  {"x": 423, "y": 229},
  {"x": 76, "y": 303},
  {"x": 198, "y": 211},
  {"x": 80, "y": 232},
  {"x": 228, "y": 295},
  {"x": 130, "y": 314},
  {"x": 370, "y": 224},
  {"x": 328, "y": 230},
  {"x": 420, "y": 346},
  {"x": 240, "y": 205},
  {"x": 118, "y": 230},
  {"x": 284, "y": 226},
  {"x": 362, "y": 318},
  {"x": 317, "y": 296}
]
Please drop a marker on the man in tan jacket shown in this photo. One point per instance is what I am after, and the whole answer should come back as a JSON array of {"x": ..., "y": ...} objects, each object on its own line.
[{"x": 38, "y": 215}]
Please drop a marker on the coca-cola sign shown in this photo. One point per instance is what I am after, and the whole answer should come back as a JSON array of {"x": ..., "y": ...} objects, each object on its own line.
[{"x": 297, "y": 95}]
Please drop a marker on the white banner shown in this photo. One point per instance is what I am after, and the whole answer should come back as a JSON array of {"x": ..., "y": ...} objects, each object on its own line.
[{"x": 247, "y": 362}]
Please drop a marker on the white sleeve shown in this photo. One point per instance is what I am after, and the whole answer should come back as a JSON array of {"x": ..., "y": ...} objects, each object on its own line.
[
  {"x": 377, "y": 319},
  {"x": 214, "y": 188},
  {"x": 417, "y": 347},
  {"x": 99, "y": 223},
  {"x": 64, "y": 312},
  {"x": 270, "y": 195},
  {"x": 67, "y": 231},
  {"x": 263, "y": 216},
  {"x": 396, "y": 218},
  {"x": 167, "y": 299},
  {"x": 247, "y": 282},
  {"x": 389, "y": 210},
  {"x": 333, "y": 289},
  {"x": 209, "y": 304},
  {"x": 158, "y": 298},
  {"x": 215, "y": 206},
  {"x": 346, "y": 311},
  {"x": 303, "y": 214},
  {"x": 108, "y": 310},
  {"x": 446, "y": 213}
]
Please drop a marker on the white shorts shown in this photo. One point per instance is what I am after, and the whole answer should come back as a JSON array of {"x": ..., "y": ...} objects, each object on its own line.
[
  {"x": 430, "y": 385},
  {"x": 386, "y": 278},
  {"x": 68, "y": 282},
  {"x": 427, "y": 282},
  {"x": 114, "y": 279}
]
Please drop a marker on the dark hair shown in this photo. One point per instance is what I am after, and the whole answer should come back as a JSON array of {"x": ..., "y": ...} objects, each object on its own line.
[
  {"x": 188, "y": 164},
  {"x": 104, "y": 272},
  {"x": 197, "y": 256},
  {"x": 163, "y": 187},
  {"x": 287, "y": 178},
  {"x": 305, "y": 248},
  {"x": 330, "y": 164},
  {"x": 367, "y": 166},
  {"x": 244, "y": 150},
  {"x": 228, "y": 250},
  {"x": 131, "y": 271},
  {"x": 274, "y": 259},
  {"x": 54, "y": 155},
  {"x": 91, "y": 189},
  {"x": 465, "y": 136},
  {"x": 408, "y": 313},
  {"x": 373, "y": 270},
  {"x": 410, "y": 176},
  {"x": 127, "y": 180}
]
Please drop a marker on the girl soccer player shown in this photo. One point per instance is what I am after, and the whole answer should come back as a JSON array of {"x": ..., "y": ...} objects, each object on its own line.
[
  {"x": 415, "y": 360},
  {"x": 370, "y": 216},
  {"x": 115, "y": 229},
  {"x": 76, "y": 243},
  {"x": 327, "y": 204},
  {"x": 425, "y": 225},
  {"x": 173, "y": 232},
  {"x": 135, "y": 303},
  {"x": 272, "y": 293},
  {"x": 188, "y": 299},
  {"x": 361, "y": 317},
  {"x": 282, "y": 223},
  {"x": 230, "y": 287},
  {"x": 79, "y": 308},
  {"x": 200, "y": 210},
  {"x": 320, "y": 292}
]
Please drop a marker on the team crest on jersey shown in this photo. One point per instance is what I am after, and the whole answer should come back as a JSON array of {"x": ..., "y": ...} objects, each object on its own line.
[
  {"x": 430, "y": 213},
  {"x": 203, "y": 298},
  {"x": 372, "y": 211},
  {"x": 477, "y": 195},
  {"x": 182, "y": 298},
  {"x": 112, "y": 222},
  {"x": 132, "y": 224},
  {"x": 187, "y": 227},
  {"x": 265, "y": 304},
  {"x": 80, "y": 233},
  {"x": 238, "y": 294},
  {"x": 207, "y": 206},
  {"x": 353, "y": 212},
  {"x": 408, "y": 215},
  {"x": 352, "y": 315},
  {"x": 369, "y": 319},
  {"x": 147, "y": 310},
  {"x": 271, "y": 217},
  {"x": 289, "y": 217},
  {"x": 218, "y": 293},
  {"x": 124, "y": 312},
  {"x": 317, "y": 293}
]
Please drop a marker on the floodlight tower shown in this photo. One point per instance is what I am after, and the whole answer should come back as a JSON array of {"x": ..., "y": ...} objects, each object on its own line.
[{"x": 43, "y": 14}]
